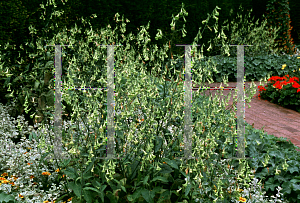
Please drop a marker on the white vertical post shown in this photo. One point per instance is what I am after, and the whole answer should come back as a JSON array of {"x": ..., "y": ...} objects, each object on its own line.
[
  {"x": 110, "y": 102},
  {"x": 187, "y": 104},
  {"x": 240, "y": 143}
]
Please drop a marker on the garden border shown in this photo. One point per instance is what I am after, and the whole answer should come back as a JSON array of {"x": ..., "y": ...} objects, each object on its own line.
[{"x": 188, "y": 85}]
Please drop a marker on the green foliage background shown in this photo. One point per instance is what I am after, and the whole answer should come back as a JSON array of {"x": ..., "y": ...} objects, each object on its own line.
[{"x": 19, "y": 14}]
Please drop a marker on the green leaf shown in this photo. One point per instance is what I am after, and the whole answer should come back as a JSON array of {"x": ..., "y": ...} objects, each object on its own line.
[
  {"x": 155, "y": 190},
  {"x": 163, "y": 179},
  {"x": 177, "y": 183},
  {"x": 60, "y": 198},
  {"x": 114, "y": 187},
  {"x": 6, "y": 198},
  {"x": 256, "y": 62},
  {"x": 188, "y": 188},
  {"x": 286, "y": 188},
  {"x": 76, "y": 187},
  {"x": 135, "y": 195},
  {"x": 17, "y": 78},
  {"x": 270, "y": 184},
  {"x": 88, "y": 196},
  {"x": 36, "y": 84},
  {"x": 147, "y": 195},
  {"x": 111, "y": 197},
  {"x": 43, "y": 157},
  {"x": 166, "y": 195},
  {"x": 49, "y": 64},
  {"x": 88, "y": 169},
  {"x": 158, "y": 144},
  {"x": 71, "y": 172},
  {"x": 30, "y": 137},
  {"x": 102, "y": 192},
  {"x": 296, "y": 187},
  {"x": 123, "y": 188},
  {"x": 10, "y": 95},
  {"x": 64, "y": 163},
  {"x": 146, "y": 180},
  {"x": 172, "y": 163}
]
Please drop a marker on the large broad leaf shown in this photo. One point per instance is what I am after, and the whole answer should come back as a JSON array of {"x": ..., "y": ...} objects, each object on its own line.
[
  {"x": 50, "y": 98},
  {"x": 160, "y": 178},
  {"x": 158, "y": 144},
  {"x": 36, "y": 84},
  {"x": 147, "y": 195},
  {"x": 6, "y": 198},
  {"x": 76, "y": 187}
]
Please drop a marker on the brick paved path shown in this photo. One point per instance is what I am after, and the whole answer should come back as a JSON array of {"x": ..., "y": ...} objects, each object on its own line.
[{"x": 278, "y": 121}]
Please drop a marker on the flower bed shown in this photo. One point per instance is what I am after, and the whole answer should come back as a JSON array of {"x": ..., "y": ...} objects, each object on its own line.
[{"x": 284, "y": 91}]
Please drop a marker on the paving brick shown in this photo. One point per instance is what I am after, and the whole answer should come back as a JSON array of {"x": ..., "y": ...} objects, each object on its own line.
[{"x": 278, "y": 121}]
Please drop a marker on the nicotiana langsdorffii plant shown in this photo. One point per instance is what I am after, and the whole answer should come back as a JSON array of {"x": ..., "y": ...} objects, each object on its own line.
[
  {"x": 40, "y": 96},
  {"x": 245, "y": 31},
  {"x": 149, "y": 165},
  {"x": 37, "y": 191}
]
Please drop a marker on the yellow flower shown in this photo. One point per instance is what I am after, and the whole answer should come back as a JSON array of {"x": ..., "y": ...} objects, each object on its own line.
[
  {"x": 57, "y": 170},
  {"x": 5, "y": 181},
  {"x": 46, "y": 173},
  {"x": 283, "y": 66},
  {"x": 241, "y": 199}
]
